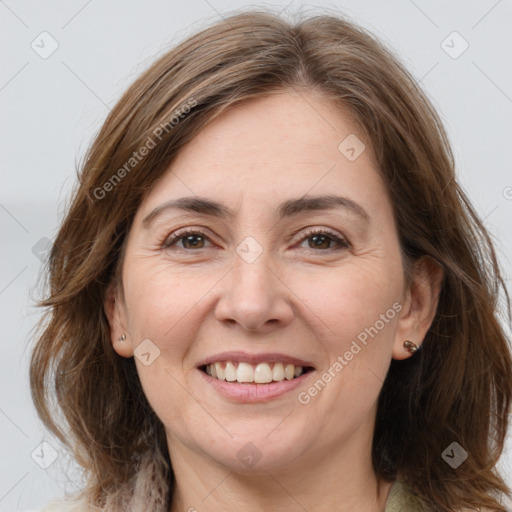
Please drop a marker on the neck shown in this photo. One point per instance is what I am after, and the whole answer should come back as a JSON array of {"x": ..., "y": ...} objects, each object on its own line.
[{"x": 341, "y": 479}]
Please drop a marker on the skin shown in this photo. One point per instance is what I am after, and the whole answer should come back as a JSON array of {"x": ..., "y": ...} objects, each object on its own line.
[{"x": 296, "y": 298}]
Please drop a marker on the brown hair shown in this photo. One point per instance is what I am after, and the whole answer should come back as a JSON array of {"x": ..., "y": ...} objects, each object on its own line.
[{"x": 457, "y": 388}]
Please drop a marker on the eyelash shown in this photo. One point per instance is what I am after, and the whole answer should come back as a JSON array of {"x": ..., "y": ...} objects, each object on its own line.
[{"x": 180, "y": 234}]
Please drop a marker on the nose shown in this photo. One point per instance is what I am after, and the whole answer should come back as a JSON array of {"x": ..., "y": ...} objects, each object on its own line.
[{"x": 254, "y": 296}]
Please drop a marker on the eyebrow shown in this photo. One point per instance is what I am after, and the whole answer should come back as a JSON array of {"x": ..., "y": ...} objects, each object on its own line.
[{"x": 289, "y": 208}]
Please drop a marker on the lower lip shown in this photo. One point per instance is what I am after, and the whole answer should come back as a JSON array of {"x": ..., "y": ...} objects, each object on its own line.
[{"x": 252, "y": 392}]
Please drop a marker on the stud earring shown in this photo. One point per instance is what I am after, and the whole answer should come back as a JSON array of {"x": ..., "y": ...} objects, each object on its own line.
[
  {"x": 122, "y": 338},
  {"x": 410, "y": 346}
]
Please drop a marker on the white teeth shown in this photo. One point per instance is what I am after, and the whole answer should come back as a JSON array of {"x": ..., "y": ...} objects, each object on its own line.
[
  {"x": 289, "y": 371},
  {"x": 221, "y": 373},
  {"x": 278, "y": 372},
  {"x": 230, "y": 372},
  {"x": 261, "y": 373},
  {"x": 244, "y": 373}
]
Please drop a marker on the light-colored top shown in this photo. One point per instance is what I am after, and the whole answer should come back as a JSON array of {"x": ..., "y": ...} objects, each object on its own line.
[{"x": 400, "y": 499}]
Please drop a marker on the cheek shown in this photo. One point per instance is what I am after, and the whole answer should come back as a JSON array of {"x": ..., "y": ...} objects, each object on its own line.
[
  {"x": 349, "y": 299},
  {"x": 358, "y": 306},
  {"x": 162, "y": 305}
]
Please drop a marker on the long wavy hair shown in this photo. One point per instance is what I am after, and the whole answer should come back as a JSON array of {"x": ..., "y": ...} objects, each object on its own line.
[{"x": 457, "y": 388}]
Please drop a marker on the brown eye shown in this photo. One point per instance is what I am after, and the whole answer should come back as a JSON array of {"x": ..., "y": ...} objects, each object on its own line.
[
  {"x": 193, "y": 241},
  {"x": 190, "y": 240},
  {"x": 321, "y": 239}
]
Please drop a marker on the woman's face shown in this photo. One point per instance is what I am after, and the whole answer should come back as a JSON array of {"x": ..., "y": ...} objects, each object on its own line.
[{"x": 245, "y": 281}]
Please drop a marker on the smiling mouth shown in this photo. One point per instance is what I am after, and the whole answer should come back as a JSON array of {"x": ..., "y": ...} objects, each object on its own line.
[{"x": 246, "y": 373}]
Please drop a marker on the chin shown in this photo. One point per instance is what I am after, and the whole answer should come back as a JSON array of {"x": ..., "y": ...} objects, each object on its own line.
[{"x": 255, "y": 451}]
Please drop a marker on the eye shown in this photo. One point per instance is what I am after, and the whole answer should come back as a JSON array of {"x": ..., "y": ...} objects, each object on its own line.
[
  {"x": 322, "y": 238},
  {"x": 195, "y": 239},
  {"x": 192, "y": 238}
]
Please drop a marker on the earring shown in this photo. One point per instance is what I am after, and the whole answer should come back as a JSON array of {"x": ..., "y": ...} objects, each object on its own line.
[
  {"x": 410, "y": 346},
  {"x": 122, "y": 338}
]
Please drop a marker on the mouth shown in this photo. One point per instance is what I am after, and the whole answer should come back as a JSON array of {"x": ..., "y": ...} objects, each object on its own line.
[
  {"x": 246, "y": 378},
  {"x": 241, "y": 372},
  {"x": 246, "y": 386}
]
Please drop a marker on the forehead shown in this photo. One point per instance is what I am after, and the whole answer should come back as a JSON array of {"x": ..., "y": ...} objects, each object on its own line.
[
  {"x": 281, "y": 126},
  {"x": 265, "y": 150}
]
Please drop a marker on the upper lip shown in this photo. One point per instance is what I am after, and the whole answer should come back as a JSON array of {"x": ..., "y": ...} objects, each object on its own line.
[{"x": 244, "y": 357}]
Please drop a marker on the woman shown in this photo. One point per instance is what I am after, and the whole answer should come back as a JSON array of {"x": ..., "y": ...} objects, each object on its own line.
[{"x": 270, "y": 288}]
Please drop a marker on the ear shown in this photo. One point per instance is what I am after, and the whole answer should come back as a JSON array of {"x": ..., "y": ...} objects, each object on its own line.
[
  {"x": 419, "y": 305},
  {"x": 116, "y": 315}
]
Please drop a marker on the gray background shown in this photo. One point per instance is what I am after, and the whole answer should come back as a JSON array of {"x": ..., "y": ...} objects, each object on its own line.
[{"x": 51, "y": 107}]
